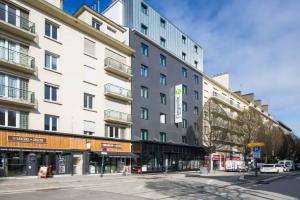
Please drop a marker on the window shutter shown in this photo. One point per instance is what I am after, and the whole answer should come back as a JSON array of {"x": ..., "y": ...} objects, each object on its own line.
[
  {"x": 89, "y": 74},
  {"x": 89, "y": 47},
  {"x": 24, "y": 120},
  {"x": 89, "y": 126}
]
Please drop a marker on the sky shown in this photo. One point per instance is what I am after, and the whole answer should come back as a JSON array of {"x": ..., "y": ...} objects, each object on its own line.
[{"x": 257, "y": 42}]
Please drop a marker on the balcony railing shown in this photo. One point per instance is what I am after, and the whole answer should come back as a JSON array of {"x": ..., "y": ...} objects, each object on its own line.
[
  {"x": 17, "y": 58},
  {"x": 16, "y": 94},
  {"x": 17, "y": 21},
  {"x": 117, "y": 66},
  {"x": 117, "y": 91},
  {"x": 224, "y": 99},
  {"x": 116, "y": 116}
]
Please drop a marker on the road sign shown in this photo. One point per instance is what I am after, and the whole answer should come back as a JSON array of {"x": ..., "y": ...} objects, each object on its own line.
[
  {"x": 103, "y": 153},
  {"x": 256, "y": 155},
  {"x": 256, "y": 149},
  {"x": 256, "y": 144}
]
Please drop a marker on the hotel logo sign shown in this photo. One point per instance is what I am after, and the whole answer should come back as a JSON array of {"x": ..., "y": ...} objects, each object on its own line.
[
  {"x": 27, "y": 139},
  {"x": 178, "y": 103}
]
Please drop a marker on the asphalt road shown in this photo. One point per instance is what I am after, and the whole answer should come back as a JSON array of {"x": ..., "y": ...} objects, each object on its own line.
[{"x": 174, "y": 186}]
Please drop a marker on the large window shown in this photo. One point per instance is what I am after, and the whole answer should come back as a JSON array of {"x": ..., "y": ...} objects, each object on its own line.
[
  {"x": 162, "y": 23},
  {"x": 88, "y": 101},
  {"x": 184, "y": 123},
  {"x": 51, "y": 92},
  {"x": 144, "y": 49},
  {"x": 196, "y": 110},
  {"x": 144, "y": 92},
  {"x": 89, "y": 47},
  {"x": 184, "y": 106},
  {"x": 163, "y": 98},
  {"x": 96, "y": 24},
  {"x": 51, "y": 61},
  {"x": 144, "y": 29},
  {"x": 162, "y": 42},
  {"x": 89, "y": 127},
  {"x": 144, "y": 113},
  {"x": 196, "y": 94},
  {"x": 144, "y": 134},
  {"x": 162, "y": 60},
  {"x": 163, "y": 79},
  {"x": 183, "y": 39},
  {"x": 11, "y": 118},
  {"x": 162, "y": 118},
  {"x": 184, "y": 89},
  {"x": 51, "y": 30},
  {"x": 114, "y": 132},
  {"x": 196, "y": 79},
  {"x": 144, "y": 8},
  {"x": 144, "y": 71},
  {"x": 51, "y": 123},
  {"x": 162, "y": 137},
  {"x": 184, "y": 72}
]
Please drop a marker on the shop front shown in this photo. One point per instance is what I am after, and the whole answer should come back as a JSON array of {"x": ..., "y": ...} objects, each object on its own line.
[
  {"x": 22, "y": 153},
  {"x": 161, "y": 157}
]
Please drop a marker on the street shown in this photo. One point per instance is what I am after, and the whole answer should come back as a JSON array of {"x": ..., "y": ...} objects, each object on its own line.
[{"x": 189, "y": 185}]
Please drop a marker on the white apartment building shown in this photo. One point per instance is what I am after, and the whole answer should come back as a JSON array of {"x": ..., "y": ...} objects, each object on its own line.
[{"x": 63, "y": 74}]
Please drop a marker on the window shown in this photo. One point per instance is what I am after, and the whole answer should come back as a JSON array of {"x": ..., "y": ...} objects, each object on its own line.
[
  {"x": 196, "y": 110},
  {"x": 163, "y": 79},
  {"x": 88, "y": 101},
  {"x": 184, "y": 106},
  {"x": 144, "y": 49},
  {"x": 114, "y": 132},
  {"x": 144, "y": 71},
  {"x": 184, "y": 72},
  {"x": 162, "y": 60},
  {"x": 144, "y": 92},
  {"x": 51, "y": 30},
  {"x": 183, "y": 39},
  {"x": 184, "y": 89},
  {"x": 196, "y": 79},
  {"x": 162, "y": 41},
  {"x": 51, "y": 61},
  {"x": 196, "y": 63},
  {"x": 88, "y": 128},
  {"x": 144, "y": 29},
  {"x": 162, "y": 118},
  {"x": 184, "y": 123},
  {"x": 196, "y": 94},
  {"x": 195, "y": 126},
  {"x": 89, "y": 47},
  {"x": 184, "y": 139},
  {"x": 162, "y": 137},
  {"x": 196, "y": 48},
  {"x": 51, "y": 123},
  {"x": 183, "y": 56},
  {"x": 163, "y": 98},
  {"x": 162, "y": 23},
  {"x": 144, "y": 134},
  {"x": 89, "y": 74},
  {"x": 11, "y": 118},
  {"x": 51, "y": 93},
  {"x": 144, "y": 8},
  {"x": 96, "y": 24},
  {"x": 144, "y": 113}
]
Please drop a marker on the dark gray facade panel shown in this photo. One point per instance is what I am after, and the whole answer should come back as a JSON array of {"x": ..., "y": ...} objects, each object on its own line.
[{"x": 174, "y": 77}]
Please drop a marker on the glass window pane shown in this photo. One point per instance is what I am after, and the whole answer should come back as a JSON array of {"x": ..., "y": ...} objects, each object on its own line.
[
  {"x": 47, "y": 122},
  {"x": 12, "y": 119},
  {"x": 2, "y": 117},
  {"x": 47, "y": 29},
  {"x": 12, "y": 16},
  {"x": 54, "y": 63},
  {"x": 85, "y": 100},
  {"x": 47, "y": 92},
  {"x": 54, "y": 94},
  {"x": 54, "y": 123},
  {"x": 2, "y": 11},
  {"x": 47, "y": 61},
  {"x": 111, "y": 132},
  {"x": 116, "y": 132},
  {"x": 54, "y": 32},
  {"x": 90, "y": 102}
]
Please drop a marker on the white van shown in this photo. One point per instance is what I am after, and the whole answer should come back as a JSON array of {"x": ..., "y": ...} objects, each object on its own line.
[{"x": 288, "y": 164}]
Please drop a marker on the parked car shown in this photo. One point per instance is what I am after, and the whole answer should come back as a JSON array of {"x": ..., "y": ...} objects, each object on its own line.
[
  {"x": 297, "y": 166},
  {"x": 289, "y": 164},
  {"x": 272, "y": 168}
]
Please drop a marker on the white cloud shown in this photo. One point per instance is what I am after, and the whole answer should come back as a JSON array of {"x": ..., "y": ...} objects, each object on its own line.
[{"x": 257, "y": 42}]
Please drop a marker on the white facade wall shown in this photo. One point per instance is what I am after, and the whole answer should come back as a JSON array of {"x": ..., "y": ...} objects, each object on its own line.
[{"x": 69, "y": 77}]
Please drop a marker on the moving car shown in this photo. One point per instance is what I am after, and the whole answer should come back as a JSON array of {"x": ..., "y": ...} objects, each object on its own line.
[
  {"x": 289, "y": 164},
  {"x": 272, "y": 168}
]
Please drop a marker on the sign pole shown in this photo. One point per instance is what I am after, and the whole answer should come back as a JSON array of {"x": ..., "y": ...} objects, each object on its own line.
[{"x": 102, "y": 166}]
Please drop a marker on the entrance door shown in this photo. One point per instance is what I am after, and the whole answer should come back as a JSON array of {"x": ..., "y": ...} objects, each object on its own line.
[
  {"x": 31, "y": 165},
  {"x": 77, "y": 164}
]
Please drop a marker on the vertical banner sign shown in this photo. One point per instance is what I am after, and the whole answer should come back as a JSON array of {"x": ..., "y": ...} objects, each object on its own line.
[{"x": 178, "y": 103}]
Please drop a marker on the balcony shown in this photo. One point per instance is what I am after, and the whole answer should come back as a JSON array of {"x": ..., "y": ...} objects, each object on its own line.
[
  {"x": 226, "y": 101},
  {"x": 17, "y": 25},
  {"x": 117, "y": 117},
  {"x": 17, "y": 97},
  {"x": 117, "y": 67},
  {"x": 117, "y": 92},
  {"x": 17, "y": 61}
]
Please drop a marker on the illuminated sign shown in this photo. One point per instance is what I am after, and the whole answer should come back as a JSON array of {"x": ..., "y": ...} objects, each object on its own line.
[{"x": 178, "y": 103}]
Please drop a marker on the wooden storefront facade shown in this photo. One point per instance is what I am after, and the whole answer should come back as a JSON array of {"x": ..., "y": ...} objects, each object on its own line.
[{"x": 22, "y": 152}]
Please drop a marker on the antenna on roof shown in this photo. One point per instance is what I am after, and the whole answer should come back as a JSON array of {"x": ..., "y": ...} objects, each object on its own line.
[{"x": 98, "y": 6}]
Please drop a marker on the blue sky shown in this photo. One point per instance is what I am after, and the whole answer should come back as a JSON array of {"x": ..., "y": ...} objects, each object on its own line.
[{"x": 257, "y": 42}]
